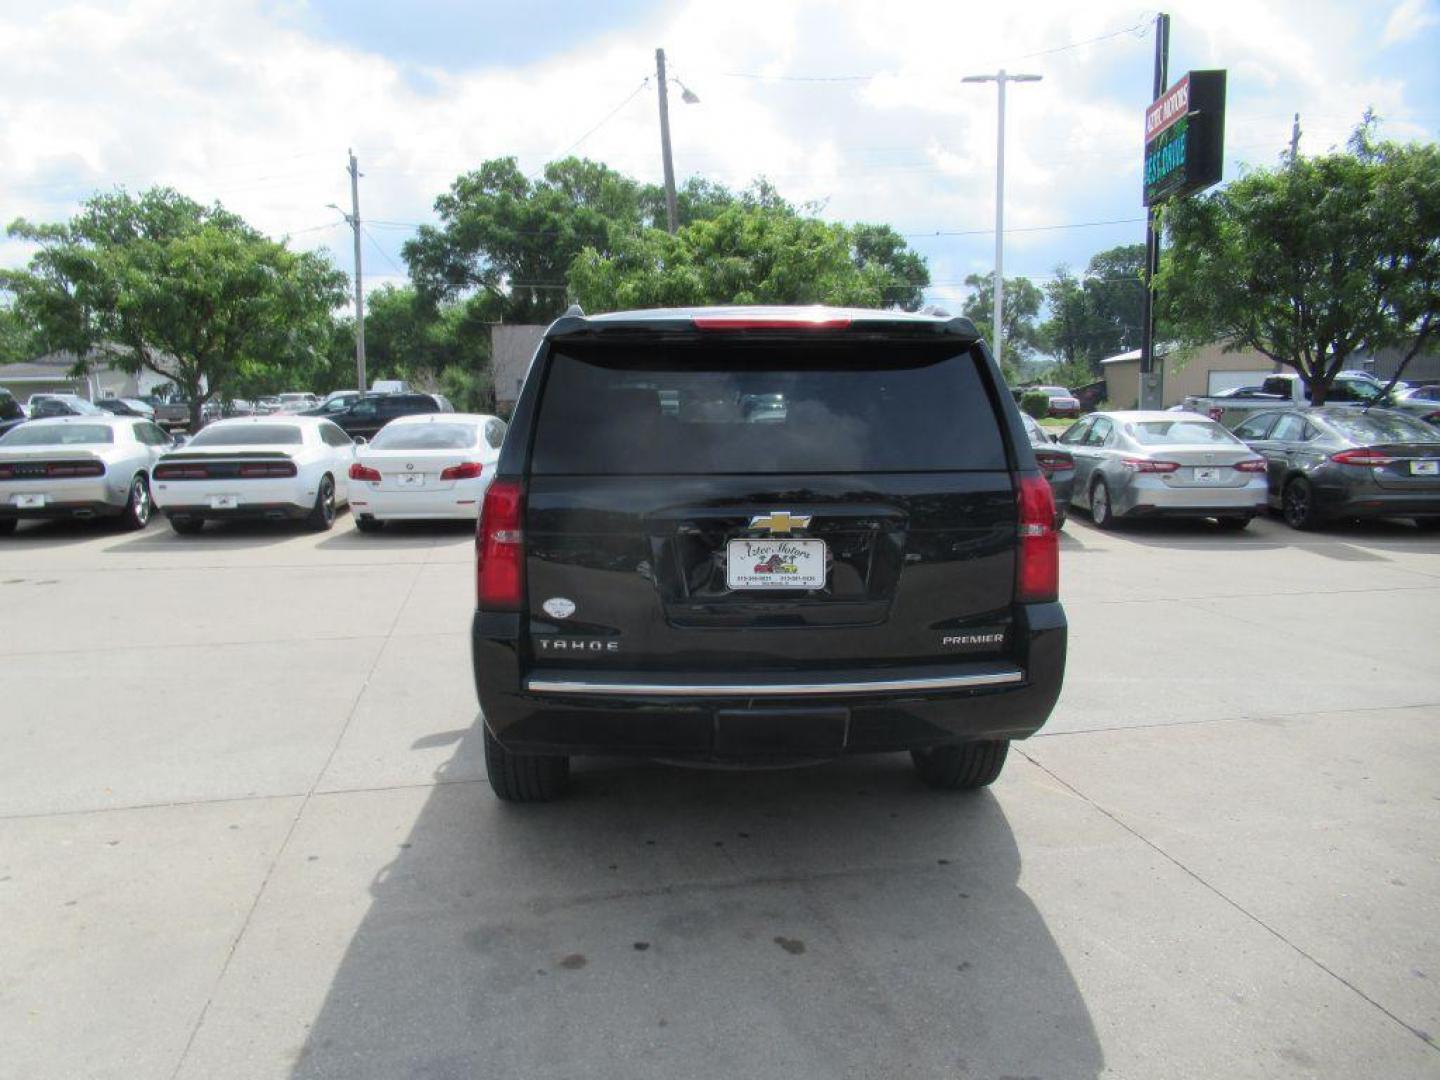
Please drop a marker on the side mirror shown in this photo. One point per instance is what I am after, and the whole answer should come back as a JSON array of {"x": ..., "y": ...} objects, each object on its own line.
[
  {"x": 1054, "y": 437},
  {"x": 360, "y": 440},
  {"x": 179, "y": 439}
]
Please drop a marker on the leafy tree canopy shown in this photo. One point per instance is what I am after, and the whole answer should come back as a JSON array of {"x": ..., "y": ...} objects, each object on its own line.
[
  {"x": 1022, "y": 308},
  {"x": 188, "y": 291},
  {"x": 1311, "y": 261}
]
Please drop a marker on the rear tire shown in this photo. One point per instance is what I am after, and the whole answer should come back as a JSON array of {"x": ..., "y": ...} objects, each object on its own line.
[
  {"x": 1101, "y": 512},
  {"x": 1234, "y": 524},
  {"x": 525, "y": 778},
  {"x": 7, "y": 526},
  {"x": 1059, "y": 522},
  {"x": 366, "y": 523},
  {"x": 186, "y": 526},
  {"x": 322, "y": 515},
  {"x": 1297, "y": 504},
  {"x": 1423, "y": 524},
  {"x": 138, "y": 507},
  {"x": 961, "y": 768}
]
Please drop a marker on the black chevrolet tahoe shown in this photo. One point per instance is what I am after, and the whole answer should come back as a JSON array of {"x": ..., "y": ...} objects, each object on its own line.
[{"x": 764, "y": 535}]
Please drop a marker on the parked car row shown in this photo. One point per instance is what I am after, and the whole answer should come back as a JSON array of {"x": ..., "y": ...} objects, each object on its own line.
[
  {"x": 1311, "y": 464},
  {"x": 303, "y": 468}
]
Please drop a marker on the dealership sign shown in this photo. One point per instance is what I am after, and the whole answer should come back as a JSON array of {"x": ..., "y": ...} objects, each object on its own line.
[{"x": 1185, "y": 137}]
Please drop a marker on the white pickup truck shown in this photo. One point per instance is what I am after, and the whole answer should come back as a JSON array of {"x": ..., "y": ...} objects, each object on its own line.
[{"x": 1277, "y": 391}]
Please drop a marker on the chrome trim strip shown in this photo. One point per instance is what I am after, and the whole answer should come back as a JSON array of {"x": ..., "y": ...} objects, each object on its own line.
[{"x": 873, "y": 686}]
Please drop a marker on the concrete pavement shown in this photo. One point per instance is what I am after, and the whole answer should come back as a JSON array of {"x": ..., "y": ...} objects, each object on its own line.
[{"x": 244, "y": 832}]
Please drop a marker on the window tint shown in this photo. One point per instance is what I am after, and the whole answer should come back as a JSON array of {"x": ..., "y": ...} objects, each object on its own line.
[
  {"x": 1291, "y": 428},
  {"x": 57, "y": 435},
  {"x": 1189, "y": 432},
  {"x": 333, "y": 436},
  {"x": 707, "y": 408},
  {"x": 248, "y": 435},
  {"x": 1381, "y": 427},
  {"x": 1257, "y": 427},
  {"x": 426, "y": 437},
  {"x": 1099, "y": 432},
  {"x": 1076, "y": 435}
]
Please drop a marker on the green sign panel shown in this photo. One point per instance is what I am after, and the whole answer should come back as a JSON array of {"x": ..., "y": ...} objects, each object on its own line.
[{"x": 1185, "y": 137}]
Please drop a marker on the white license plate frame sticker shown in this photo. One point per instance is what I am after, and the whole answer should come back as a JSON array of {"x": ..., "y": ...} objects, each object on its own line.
[
  {"x": 1207, "y": 474},
  {"x": 1425, "y": 468},
  {"x": 29, "y": 501},
  {"x": 224, "y": 502},
  {"x": 757, "y": 565},
  {"x": 413, "y": 479}
]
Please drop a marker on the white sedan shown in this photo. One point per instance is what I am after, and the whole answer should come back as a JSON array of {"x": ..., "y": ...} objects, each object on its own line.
[
  {"x": 290, "y": 467},
  {"x": 425, "y": 468}
]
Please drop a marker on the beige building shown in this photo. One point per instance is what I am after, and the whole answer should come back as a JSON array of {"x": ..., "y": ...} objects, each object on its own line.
[
  {"x": 512, "y": 347},
  {"x": 53, "y": 374},
  {"x": 1204, "y": 370}
]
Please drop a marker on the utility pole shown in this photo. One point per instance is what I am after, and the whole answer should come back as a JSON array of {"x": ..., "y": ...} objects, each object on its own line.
[
  {"x": 1000, "y": 78},
  {"x": 1295, "y": 140},
  {"x": 354, "y": 219},
  {"x": 1150, "y": 396},
  {"x": 672, "y": 216}
]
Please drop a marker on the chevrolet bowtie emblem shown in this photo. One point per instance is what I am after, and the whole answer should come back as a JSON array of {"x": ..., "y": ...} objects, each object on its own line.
[{"x": 780, "y": 522}]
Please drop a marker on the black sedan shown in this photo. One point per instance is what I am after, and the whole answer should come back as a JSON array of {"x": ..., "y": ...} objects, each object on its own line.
[
  {"x": 1056, "y": 463},
  {"x": 1344, "y": 462}
]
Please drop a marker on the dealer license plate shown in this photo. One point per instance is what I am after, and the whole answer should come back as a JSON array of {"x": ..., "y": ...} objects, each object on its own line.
[
  {"x": 1425, "y": 468},
  {"x": 413, "y": 479},
  {"x": 775, "y": 564},
  {"x": 224, "y": 502},
  {"x": 1207, "y": 475},
  {"x": 29, "y": 502}
]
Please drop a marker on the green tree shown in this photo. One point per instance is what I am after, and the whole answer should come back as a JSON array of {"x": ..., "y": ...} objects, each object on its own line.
[
  {"x": 1022, "y": 308},
  {"x": 1114, "y": 302},
  {"x": 16, "y": 339},
  {"x": 755, "y": 251},
  {"x": 1067, "y": 333},
  {"x": 188, "y": 291},
  {"x": 1311, "y": 261}
]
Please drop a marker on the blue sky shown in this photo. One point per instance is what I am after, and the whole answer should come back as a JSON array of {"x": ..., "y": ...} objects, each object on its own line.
[{"x": 853, "y": 106}]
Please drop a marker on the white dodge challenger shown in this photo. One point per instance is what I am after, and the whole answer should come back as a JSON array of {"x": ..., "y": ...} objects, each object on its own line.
[
  {"x": 293, "y": 467},
  {"x": 424, "y": 468}
]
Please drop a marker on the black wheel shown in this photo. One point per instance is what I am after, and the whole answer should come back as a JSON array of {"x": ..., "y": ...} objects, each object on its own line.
[
  {"x": 186, "y": 526},
  {"x": 1059, "y": 521},
  {"x": 961, "y": 768},
  {"x": 138, "y": 507},
  {"x": 525, "y": 777},
  {"x": 322, "y": 516},
  {"x": 1423, "y": 524},
  {"x": 367, "y": 523},
  {"x": 1101, "y": 512},
  {"x": 7, "y": 526},
  {"x": 1297, "y": 504},
  {"x": 1234, "y": 524}
]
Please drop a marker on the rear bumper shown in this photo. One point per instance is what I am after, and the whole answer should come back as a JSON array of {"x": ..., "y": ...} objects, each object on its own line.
[
  {"x": 1151, "y": 497},
  {"x": 1373, "y": 501},
  {"x": 83, "y": 508},
  {"x": 246, "y": 512},
  {"x": 749, "y": 715},
  {"x": 455, "y": 502}
]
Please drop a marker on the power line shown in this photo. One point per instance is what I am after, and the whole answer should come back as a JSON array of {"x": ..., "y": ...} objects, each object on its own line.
[
  {"x": 604, "y": 119},
  {"x": 1026, "y": 228},
  {"x": 383, "y": 253}
]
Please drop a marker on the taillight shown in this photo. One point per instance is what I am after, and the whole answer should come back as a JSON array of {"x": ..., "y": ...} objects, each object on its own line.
[
  {"x": 78, "y": 468},
  {"x": 1145, "y": 465},
  {"x": 1037, "y": 576},
  {"x": 7, "y": 472},
  {"x": 468, "y": 470},
  {"x": 722, "y": 322},
  {"x": 1363, "y": 457},
  {"x": 500, "y": 549},
  {"x": 181, "y": 472},
  {"x": 1250, "y": 465},
  {"x": 268, "y": 469},
  {"x": 1432, "y": 418},
  {"x": 364, "y": 472},
  {"x": 1051, "y": 463}
]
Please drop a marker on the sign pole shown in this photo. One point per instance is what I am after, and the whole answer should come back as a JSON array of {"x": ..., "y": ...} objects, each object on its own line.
[{"x": 1151, "y": 390}]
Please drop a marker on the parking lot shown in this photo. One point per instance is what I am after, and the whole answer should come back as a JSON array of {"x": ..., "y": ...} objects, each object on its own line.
[{"x": 246, "y": 833}]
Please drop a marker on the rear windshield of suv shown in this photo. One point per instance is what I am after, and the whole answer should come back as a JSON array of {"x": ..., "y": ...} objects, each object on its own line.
[{"x": 630, "y": 410}]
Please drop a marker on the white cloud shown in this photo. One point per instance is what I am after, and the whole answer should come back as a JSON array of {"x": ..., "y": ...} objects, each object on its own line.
[
  {"x": 238, "y": 102},
  {"x": 1407, "y": 20}
]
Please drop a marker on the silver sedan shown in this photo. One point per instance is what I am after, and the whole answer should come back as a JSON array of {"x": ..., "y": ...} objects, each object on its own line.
[
  {"x": 79, "y": 467},
  {"x": 1163, "y": 464}
]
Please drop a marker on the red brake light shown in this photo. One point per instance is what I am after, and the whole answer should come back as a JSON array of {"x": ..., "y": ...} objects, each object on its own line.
[
  {"x": 181, "y": 472},
  {"x": 1145, "y": 465},
  {"x": 1256, "y": 465},
  {"x": 729, "y": 322},
  {"x": 1037, "y": 575},
  {"x": 268, "y": 469},
  {"x": 7, "y": 472},
  {"x": 500, "y": 549},
  {"x": 468, "y": 470},
  {"x": 1365, "y": 457},
  {"x": 1052, "y": 463},
  {"x": 79, "y": 468},
  {"x": 363, "y": 472}
]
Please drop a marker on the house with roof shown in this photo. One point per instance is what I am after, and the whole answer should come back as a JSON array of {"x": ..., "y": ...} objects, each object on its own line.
[{"x": 53, "y": 373}]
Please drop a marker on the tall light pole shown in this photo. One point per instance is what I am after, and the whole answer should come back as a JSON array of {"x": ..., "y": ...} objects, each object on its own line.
[
  {"x": 1000, "y": 78},
  {"x": 672, "y": 216},
  {"x": 353, "y": 220}
]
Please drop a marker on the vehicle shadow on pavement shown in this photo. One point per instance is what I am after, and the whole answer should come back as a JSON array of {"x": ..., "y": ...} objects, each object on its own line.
[
  {"x": 226, "y": 535},
  {"x": 53, "y": 534},
  {"x": 835, "y": 921},
  {"x": 402, "y": 535}
]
